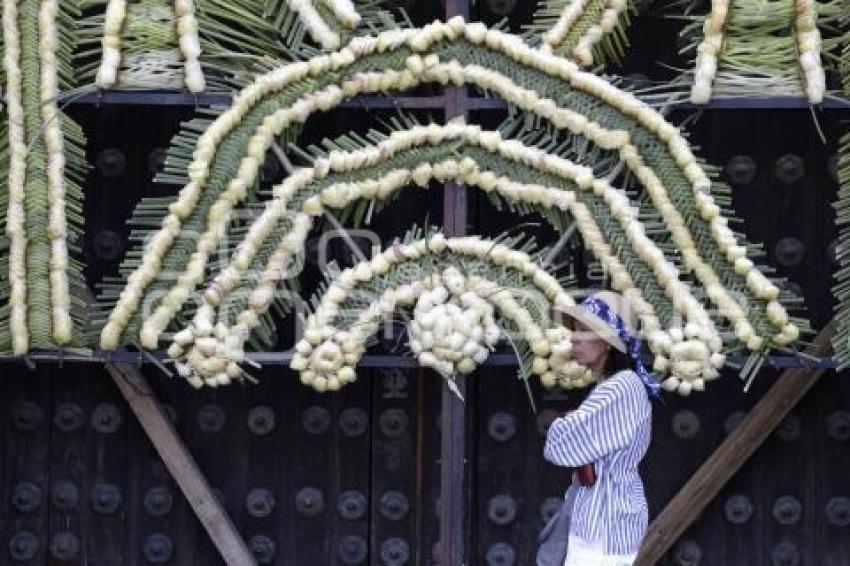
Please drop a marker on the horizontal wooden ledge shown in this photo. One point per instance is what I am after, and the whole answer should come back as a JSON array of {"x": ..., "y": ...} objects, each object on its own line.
[
  {"x": 181, "y": 99},
  {"x": 379, "y": 360}
]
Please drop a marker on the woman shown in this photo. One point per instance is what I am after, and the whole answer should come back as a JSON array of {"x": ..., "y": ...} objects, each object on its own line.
[{"x": 611, "y": 430}]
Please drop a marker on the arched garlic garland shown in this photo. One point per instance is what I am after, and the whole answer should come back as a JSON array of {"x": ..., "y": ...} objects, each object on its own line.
[
  {"x": 16, "y": 215},
  {"x": 708, "y": 51},
  {"x": 430, "y": 68},
  {"x": 691, "y": 363},
  {"x": 57, "y": 229},
  {"x": 318, "y": 28},
  {"x": 190, "y": 46},
  {"x": 808, "y": 46},
  {"x": 110, "y": 61}
]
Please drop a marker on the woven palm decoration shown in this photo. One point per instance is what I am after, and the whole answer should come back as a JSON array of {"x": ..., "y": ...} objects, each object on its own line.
[
  {"x": 590, "y": 32},
  {"x": 664, "y": 241},
  {"x": 42, "y": 164},
  {"x": 759, "y": 48},
  {"x": 841, "y": 290},
  {"x": 213, "y": 44}
]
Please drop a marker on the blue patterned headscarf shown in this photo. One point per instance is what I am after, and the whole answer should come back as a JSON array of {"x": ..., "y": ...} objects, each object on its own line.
[{"x": 633, "y": 343}]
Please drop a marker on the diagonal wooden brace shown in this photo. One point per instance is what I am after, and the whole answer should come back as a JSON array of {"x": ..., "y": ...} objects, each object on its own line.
[
  {"x": 732, "y": 453},
  {"x": 136, "y": 390}
]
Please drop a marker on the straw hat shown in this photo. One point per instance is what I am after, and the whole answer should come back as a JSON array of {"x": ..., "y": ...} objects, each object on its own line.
[{"x": 618, "y": 305}]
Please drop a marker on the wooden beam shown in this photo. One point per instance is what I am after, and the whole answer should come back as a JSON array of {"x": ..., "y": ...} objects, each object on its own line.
[
  {"x": 732, "y": 453},
  {"x": 180, "y": 463}
]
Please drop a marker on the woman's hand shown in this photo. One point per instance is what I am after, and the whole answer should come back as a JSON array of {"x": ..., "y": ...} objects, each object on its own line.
[{"x": 585, "y": 474}]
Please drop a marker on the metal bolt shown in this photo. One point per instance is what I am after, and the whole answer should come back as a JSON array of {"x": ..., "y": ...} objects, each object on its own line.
[
  {"x": 158, "y": 501},
  {"x": 352, "y": 550},
  {"x": 741, "y": 170},
  {"x": 353, "y": 422},
  {"x": 789, "y": 168},
  {"x": 790, "y": 428},
  {"x": 107, "y": 245},
  {"x": 500, "y": 7},
  {"x": 785, "y": 554},
  {"x": 351, "y": 505},
  {"x": 832, "y": 167},
  {"x": 838, "y": 425},
  {"x": 393, "y": 422},
  {"x": 501, "y": 509},
  {"x": 549, "y": 507},
  {"x": 687, "y": 553},
  {"x": 789, "y": 251},
  {"x": 23, "y": 546},
  {"x": 544, "y": 420},
  {"x": 64, "y": 546},
  {"x": 832, "y": 252},
  {"x": 733, "y": 420},
  {"x": 211, "y": 418},
  {"x": 395, "y": 552},
  {"x": 68, "y": 417},
  {"x": 686, "y": 424},
  {"x": 394, "y": 505},
  {"x": 158, "y": 548},
  {"x": 787, "y": 510},
  {"x": 738, "y": 509},
  {"x": 259, "y": 503},
  {"x": 310, "y": 501},
  {"x": 106, "y": 418},
  {"x": 501, "y": 427},
  {"x": 26, "y": 496},
  {"x": 64, "y": 495},
  {"x": 500, "y": 554},
  {"x": 26, "y": 416},
  {"x": 838, "y": 511},
  {"x": 111, "y": 162},
  {"x": 106, "y": 498},
  {"x": 156, "y": 160},
  {"x": 263, "y": 548},
  {"x": 316, "y": 420},
  {"x": 261, "y": 420}
]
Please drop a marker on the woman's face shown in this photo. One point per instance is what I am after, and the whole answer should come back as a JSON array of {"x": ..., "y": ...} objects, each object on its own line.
[{"x": 588, "y": 349}]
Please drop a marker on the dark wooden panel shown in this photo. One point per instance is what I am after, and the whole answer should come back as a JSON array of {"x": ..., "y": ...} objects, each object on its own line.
[
  {"x": 394, "y": 470},
  {"x": 25, "y": 464}
]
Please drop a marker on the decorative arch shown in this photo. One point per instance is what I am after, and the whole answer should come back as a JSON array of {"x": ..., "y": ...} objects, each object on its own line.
[{"x": 227, "y": 156}]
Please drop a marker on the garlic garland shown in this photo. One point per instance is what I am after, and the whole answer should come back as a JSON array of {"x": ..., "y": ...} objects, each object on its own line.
[
  {"x": 190, "y": 46},
  {"x": 808, "y": 47},
  {"x": 16, "y": 215},
  {"x": 110, "y": 61},
  {"x": 708, "y": 51},
  {"x": 421, "y": 67},
  {"x": 57, "y": 231},
  {"x": 318, "y": 28},
  {"x": 583, "y": 51},
  {"x": 570, "y": 15}
]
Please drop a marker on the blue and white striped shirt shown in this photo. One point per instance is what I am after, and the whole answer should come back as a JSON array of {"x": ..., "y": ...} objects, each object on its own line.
[{"x": 612, "y": 430}]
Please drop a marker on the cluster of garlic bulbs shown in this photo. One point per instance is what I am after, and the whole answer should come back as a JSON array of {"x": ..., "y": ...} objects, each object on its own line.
[
  {"x": 57, "y": 230},
  {"x": 708, "y": 51},
  {"x": 16, "y": 215},
  {"x": 808, "y": 47},
  {"x": 190, "y": 45},
  {"x": 110, "y": 60},
  {"x": 317, "y": 27},
  {"x": 453, "y": 329}
]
